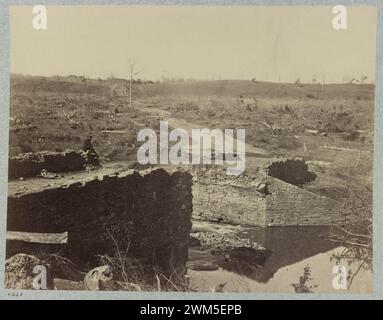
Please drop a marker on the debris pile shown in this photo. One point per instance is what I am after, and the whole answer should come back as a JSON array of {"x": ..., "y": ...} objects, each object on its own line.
[{"x": 37, "y": 164}]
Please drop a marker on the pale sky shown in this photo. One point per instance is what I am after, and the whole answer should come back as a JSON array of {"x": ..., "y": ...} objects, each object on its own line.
[{"x": 268, "y": 43}]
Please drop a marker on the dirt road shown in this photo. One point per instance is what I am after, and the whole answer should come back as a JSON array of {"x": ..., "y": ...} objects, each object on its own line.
[{"x": 255, "y": 156}]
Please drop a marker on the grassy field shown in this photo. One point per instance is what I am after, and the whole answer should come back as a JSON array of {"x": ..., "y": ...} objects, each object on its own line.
[
  {"x": 266, "y": 109},
  {"x": 59, "y": 113},
  {"x": 331, "y": 125}
]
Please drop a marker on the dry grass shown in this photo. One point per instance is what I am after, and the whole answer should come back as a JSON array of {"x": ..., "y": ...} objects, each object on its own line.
[
  {"x": 278, "y": 117},
  {"x": 356, "y": 233},
  {"x": 134, "y": 275},
  {"x": 58, "y": 114}
]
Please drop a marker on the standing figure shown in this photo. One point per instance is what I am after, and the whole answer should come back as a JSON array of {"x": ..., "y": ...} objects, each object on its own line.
[{"x": 91, "y": 154}]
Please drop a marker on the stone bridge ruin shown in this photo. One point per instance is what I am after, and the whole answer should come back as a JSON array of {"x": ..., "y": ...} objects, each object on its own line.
[
  {"x": 272, "y": 196},
  {"x": 150, "y": 211}
]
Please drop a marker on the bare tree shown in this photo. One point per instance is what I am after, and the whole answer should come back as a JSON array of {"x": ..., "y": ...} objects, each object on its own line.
[
  {"x": 357, "y": 213},
  {"x": 132, "y": 73},
  {"x": 355, "y": 234}
]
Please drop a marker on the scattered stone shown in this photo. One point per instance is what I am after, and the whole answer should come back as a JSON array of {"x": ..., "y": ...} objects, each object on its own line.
[
  {"x": 312, "y": 131},
  {"x": 100, "y": 278},
  {"x": 224, "y": 242},
  {"x": 89, "y": 167},
  {"x": 19, "y": 272},
  {"x": 47, "y": 175}
]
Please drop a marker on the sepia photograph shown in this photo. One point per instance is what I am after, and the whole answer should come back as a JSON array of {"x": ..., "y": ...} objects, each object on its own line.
[{"x": 180, "y": 148}]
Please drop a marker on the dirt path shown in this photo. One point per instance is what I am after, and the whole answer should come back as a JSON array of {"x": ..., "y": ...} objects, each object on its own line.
[{"x": 255, "y": 156}]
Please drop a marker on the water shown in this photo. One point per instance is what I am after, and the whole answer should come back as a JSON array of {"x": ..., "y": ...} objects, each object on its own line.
[{"x": 293, "y": 248}]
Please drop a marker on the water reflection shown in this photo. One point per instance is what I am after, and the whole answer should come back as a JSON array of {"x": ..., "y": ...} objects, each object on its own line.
[
  {"x": 288, "y": 245},
  {"x": 291, "y": 250}
]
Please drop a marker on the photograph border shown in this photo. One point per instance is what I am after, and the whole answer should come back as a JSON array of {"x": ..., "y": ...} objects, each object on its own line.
[{"x": 122, "y": 295}]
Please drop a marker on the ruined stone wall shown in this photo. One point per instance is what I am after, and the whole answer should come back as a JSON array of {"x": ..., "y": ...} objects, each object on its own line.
[
  {"x": 31, "y": 164},
  {"x": 290, "y": 205},
  {"x": 293, "y": 171},
  {"x": 262, "y": 200},
  {"x": 235, "y": 199},
  {"x": 150, "y": 212},
  {"x": 227, "y": 203}
]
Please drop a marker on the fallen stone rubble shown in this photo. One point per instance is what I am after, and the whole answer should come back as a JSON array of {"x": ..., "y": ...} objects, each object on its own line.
[
  {"x": 33, "y": 164},
  {"x": 21, "y": 273},
  {"x": 223, "y": 242}
]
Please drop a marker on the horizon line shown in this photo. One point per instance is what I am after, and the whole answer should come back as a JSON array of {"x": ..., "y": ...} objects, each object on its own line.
[{"x": 190, "y": 79}]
